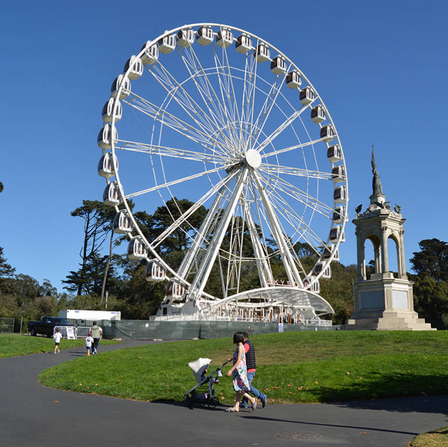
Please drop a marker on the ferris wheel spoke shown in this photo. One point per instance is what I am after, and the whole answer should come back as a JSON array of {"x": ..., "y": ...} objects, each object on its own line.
[
  {"x": 298, "y": 172},
  {"x": 176, "y": 224},
  {"x": 301, "y": 196},
  {"x": 216, "y": 108},
  {"x": 296, "y": 222},
  {"x": 178, "y": 93},
  {"x": 290, "y": 148},
  {"x": 280, "y": 129},
  {"x": 266, "y": 109},
  {"x": 172, "y": 183},
  {"x": 284, "y": 208},
  {"x": 152, "y": 149},
  {"x": 248, "y": 98},
  {"x": 228, "y": 93},
  {"x": 179, "y": 126}
]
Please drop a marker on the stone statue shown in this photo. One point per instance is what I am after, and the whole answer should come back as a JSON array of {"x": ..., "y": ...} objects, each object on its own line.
[{"x": 376, "y": 183}]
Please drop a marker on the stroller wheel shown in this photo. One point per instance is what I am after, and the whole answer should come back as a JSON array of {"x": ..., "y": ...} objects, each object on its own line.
[
  {"x": 188, "y": 402},
  {"x": 213, "y": 402}
]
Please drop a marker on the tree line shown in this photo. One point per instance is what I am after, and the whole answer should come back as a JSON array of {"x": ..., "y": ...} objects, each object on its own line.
[{"x": 104, "y": 278}]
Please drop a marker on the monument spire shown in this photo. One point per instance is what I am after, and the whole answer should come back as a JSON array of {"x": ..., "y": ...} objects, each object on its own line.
[{"x": 377, "y": 194}]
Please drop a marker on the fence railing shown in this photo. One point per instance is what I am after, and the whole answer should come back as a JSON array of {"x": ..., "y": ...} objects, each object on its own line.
[{"x": 6, "y": 325}]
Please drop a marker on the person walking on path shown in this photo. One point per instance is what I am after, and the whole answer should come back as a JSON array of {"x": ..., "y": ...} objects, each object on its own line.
[
  {"x": 97, "y": 333},
  {"x": 89, "y": 342},
  {"x": 57, "y": 339},
  {"x": 239, "y": 372},
  {"x": 251, "y": 368}
]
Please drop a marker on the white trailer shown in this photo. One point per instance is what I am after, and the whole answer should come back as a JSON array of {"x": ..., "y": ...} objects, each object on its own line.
[{"x": 91, "y": 315}]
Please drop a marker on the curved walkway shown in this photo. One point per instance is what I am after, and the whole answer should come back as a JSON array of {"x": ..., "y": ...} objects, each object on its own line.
[{"x": 33, "y": 415}]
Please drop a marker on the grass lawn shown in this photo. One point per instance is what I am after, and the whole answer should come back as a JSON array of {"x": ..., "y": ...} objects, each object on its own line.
[
  {"x": 295, "y": 367},
  {"x": 434, "y": 438},
  {"x": 13, "y": 345}
]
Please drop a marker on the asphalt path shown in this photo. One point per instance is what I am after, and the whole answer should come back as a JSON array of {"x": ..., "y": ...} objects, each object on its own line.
[{"x": 34, "y": 415}]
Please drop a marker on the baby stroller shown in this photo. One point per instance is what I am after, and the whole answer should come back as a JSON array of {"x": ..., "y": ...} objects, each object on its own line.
[{"x": 204, "y": 392}]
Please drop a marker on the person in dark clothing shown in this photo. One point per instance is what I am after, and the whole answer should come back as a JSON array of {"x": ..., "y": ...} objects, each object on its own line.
[{"x": 251, "y": 368}]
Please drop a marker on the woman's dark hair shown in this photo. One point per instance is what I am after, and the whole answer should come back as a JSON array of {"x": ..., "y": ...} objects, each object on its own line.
[{"x": 238, "y": 337}]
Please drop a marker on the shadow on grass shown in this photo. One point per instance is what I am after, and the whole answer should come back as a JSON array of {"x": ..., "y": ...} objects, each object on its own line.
[{"x": 397, "y": 392}]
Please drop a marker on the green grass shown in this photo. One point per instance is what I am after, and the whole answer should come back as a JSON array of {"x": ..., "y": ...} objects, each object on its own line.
[
  {"x": 13, "y": 345},
  {"x": 292, "y": 367},
  {"x": 434, "y": 438}
]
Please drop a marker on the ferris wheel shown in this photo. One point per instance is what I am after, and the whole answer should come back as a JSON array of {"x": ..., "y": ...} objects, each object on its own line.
[{"x": 218, "y": 116}]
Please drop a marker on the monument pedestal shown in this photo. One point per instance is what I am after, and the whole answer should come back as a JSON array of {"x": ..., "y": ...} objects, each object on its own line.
[{"x": 385, "y": 303}]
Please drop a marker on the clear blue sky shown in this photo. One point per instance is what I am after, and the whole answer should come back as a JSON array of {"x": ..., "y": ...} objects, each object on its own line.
[{"x": 381, "y": 68}]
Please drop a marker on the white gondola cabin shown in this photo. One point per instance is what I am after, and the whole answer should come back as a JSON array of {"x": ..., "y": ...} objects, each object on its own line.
[
  {"x": 312, "y": 284},
  {"x": 307, "y": 96},
  {"x": 262, "y": 53},
  {"x": 167, "y": 44},
  {"x": 113, "y": 106},
  {"x": 318, "y": 114},
  {"x": 105, "y": 137},
  {"x": 243, "y": 44},
  {"x": 106, "y": 165},
  {"x": 337, "y": 233},
  {"x": 185, "y": 37},
  {"x": 111, "y": 194},
  {"x": 293, "y": 80},
  {"x": 151, "y": 53},
  {"x": 340, "y": 215},
  {"x": 327, "y": 133},
  {"x": 122, "y": 222},
  {"x": 340, "y": 194},
  {"x": 334, "y": 153},
  {"x": 338, "y": 174},
  {"x": 155, "y": 272},
  {"x": 121, "y": 81},
  {"x": 204, "y": 35},
  {"x": 320, "y": 268},
  {"x": 330, "y": 251},
  {"x": 278, "y": 66},
  {"x": 174, "y": 290},
  {"x": 224, "y": 38},
  {"x": 137, "y": 249},
  {"x": 133, "y": 68}
]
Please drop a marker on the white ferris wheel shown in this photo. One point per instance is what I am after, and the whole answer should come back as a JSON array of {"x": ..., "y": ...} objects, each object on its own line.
[{"x": 218, "y": 116}]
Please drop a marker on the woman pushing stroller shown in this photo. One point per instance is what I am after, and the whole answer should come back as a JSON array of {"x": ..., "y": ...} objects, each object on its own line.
[{"x": 239, "y": 371}]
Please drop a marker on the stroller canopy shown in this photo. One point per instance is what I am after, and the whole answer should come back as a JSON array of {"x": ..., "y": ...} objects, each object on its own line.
[{"x": 199, "y": 367}]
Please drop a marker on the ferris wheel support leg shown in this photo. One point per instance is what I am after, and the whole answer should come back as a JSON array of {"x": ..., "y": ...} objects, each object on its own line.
[
  {"x": 198, "y": 284},
  {"x": 288, "y": 261}
]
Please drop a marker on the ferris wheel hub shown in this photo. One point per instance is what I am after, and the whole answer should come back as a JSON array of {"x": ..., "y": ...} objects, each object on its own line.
[{"x": 253, "y": 158}]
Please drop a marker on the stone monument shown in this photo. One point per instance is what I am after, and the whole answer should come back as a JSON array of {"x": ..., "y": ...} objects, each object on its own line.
[{"x": 382, "y": 301}]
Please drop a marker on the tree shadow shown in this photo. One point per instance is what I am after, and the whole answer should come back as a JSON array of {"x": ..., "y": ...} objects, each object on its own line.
[{"x": 395, "y": 392}]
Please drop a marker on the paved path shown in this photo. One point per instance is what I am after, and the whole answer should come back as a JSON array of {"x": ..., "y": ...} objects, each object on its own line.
[{"x": 33, "y": 415}]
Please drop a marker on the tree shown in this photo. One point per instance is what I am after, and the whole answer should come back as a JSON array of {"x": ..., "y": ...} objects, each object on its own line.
[
  {"x": 432, "y": 260},
  {"x": 98, "y": 223},
  {"x": 431, "y": 301},
  {"x": 6, "y": 271}
]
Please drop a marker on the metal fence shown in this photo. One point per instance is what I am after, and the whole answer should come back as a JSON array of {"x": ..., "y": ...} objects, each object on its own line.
[{"x": 6, "y": 325}]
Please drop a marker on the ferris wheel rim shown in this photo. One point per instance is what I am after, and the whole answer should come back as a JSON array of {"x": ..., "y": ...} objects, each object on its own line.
[{"x": 221, "y": 26}]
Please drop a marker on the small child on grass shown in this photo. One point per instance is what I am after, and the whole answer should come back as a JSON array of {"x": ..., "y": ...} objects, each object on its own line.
[
  {"x": 89, "y": 341},
  {"x": 57, "y": 339}
]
